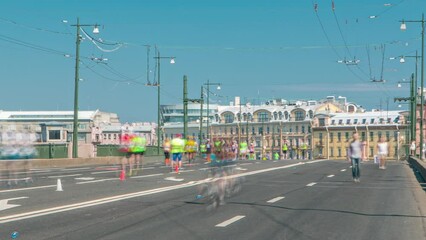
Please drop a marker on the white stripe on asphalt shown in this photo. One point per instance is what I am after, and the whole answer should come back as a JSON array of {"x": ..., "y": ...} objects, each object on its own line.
[
  {"x": 100, "y": 180},
  {"x": 330, "y": 176},
  {"x": 145, "y": 176},
  {"x": 61, "y": 176},
  {"x": 230, "y": 221},
  {"x": 30, "y": 188},
  {"x": 242, "y": 164},
  {"x": 186, "y": 171},
  {"x": 343, "y": 170},
  {"x": 275, "y": 199},
  {"x": 84, "y": 178},
  {"x": 106, "y": 172},
  {"x": 73, "y": 169},
  {"x": 311, "y": 184}
]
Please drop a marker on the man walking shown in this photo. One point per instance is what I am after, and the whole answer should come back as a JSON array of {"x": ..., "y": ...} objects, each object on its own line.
[{"x": 355, "y": 154}]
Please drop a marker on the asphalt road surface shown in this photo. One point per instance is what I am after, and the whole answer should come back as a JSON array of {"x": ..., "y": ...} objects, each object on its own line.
[{"x": 286, "y": 199}]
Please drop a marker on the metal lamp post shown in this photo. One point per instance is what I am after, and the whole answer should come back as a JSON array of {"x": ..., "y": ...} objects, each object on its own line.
[
  {"x": 208, "y": 84},
  {"x": 77, "y": 79},
  {"x": 403, "y": 28},
  {"x": 172, "y": 61}
]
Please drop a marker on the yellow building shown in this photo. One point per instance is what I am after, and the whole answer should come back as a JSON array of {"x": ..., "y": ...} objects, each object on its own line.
[{"x": 333, "y": 132}]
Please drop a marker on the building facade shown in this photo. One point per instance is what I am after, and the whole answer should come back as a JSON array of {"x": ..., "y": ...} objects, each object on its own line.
[{"x": 333, "y": 132}]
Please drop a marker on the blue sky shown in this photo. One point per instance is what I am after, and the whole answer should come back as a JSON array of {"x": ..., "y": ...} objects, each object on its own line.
[{"x": 255, "y": 49}]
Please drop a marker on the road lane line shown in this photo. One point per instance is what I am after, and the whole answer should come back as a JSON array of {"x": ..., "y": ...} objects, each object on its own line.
[
  {"x": 62, "y": 176},
  {"x": 242, "y": 164},
  {"x": 330, "y": 176},
  {"x": 74, "y": 169},
  {"x": 106, "y": 172},
  {"x": 343, "y": 170},
  {"x": 24, "y": 189},
  {"x": 100, "y": 180},
  {"x": 275, "y": 199},
  {"x": 151, "y": 175},
  {"x": 230, "y": 221},
  {"x": 311, "y": 184}
]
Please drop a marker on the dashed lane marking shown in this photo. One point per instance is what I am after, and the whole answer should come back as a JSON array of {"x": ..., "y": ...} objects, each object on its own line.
[
  {"x": 100, "y": 180},
  {"x": 343, "y": 170},
  {"x": 62, "y": 176},
  {"x": 330, "y": 176},
  {"x": 230, "y": 221},
  {"x": 311, "y": 184},
  {"x": 275, "y": 199},
  {"x": 145, "y": 176}
]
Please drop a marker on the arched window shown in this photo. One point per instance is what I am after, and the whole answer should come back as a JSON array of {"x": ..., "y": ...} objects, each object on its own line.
[
  {"x": 286, "y": 115},
  {"x": 263, "y": 116},
  {"x": 229, "y": 117},
  {"x": 299, "y": 115},
  {"x": 280, "y": 115},
  {"x": 275, "y": 116},
  {"x": 311, "y": 114}
]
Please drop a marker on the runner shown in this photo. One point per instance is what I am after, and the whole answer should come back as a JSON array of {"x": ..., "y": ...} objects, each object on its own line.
[
  {"x": 178, "y": 148},
  {"x": 138, "y": 147},
  {"x": 382, "y": 147},
  {"x": 208, "y": 150},
  {"x": 125, "y": 142},
  {"x": 166, "y": 148},
  {"x": 413, "y": 148},
  {"x": 234, "y": 149},
  {"x": 190, "y": 148},
  {"x": 251, "y": 152},
  {"x": 218, "y": 144},
  {"x": 203, "y": 149},
  {"x": 285, "y": 149},
  {"x": 304, "y": 147},
  {"x": 355, "y": 155},
  {"x": 243, "y": 150}
]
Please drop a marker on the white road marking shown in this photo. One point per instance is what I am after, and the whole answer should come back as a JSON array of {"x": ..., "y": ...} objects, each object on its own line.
[
  {"x": 275, "y": 161},
  {"x": 106, "y": 172},
  {"x": 311, "y": 184},
  {"x": 4, "y": 205},
  {"x": 30, "y": 188},
  {"x": 330, "y": 176},
  {"x": 241, "y": 169},
  {"x": 230, "y": 221},
  {"x": 186, "y": 171},
  {"x": 165, "y": 167},
  {"x": 84, "y": 178},
  {"x": 73, "y": 169},
  {"x": 62, "y": 176},
  {"x": 145, "y": 176},
  {"x": 100, "y": 180},
  {"x": 343, "y": 170},
  {"x": 275, "y": 199},
  {"x": 146, "y": 168},
  {"x": 257, "y": 162},
  {"x": 242, "y": 164},
  {"x": 174, "y": 179}
]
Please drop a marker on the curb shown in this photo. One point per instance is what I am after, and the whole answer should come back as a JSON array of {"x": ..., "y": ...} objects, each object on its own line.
[{"x": 419, "y": 165}]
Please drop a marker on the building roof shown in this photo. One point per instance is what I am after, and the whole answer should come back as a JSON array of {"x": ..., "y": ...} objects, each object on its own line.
[{"x": 45, "y": 115}]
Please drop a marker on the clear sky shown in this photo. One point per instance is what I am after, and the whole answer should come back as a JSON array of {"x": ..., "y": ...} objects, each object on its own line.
[{"x": 255, "y": 49}]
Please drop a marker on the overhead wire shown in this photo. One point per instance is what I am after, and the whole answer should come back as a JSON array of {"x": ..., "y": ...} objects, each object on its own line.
[
  {"x": 32, "y": 28},
  {"x": 97, "y": 45}
]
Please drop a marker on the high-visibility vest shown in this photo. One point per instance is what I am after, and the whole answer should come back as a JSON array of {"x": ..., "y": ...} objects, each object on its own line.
[
  {"x": 178, "y": 145},
  {"x": 203, "y": 148},
  {"x": 243, "y": 146},
  {"x": 218, "y": 145},
  {"x": 138, "y": 144},
  {"x": 285, "y": 147}
]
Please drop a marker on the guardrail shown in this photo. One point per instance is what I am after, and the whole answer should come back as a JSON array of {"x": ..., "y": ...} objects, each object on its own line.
[{"x": 419, "y": 165}]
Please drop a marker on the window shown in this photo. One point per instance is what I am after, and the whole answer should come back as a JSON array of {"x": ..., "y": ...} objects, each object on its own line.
[
  {"x": 348, "y": 121},
  {"x": 333, "y": 122},
  {"x": 260, "y": 131},
  {"x": 331, "y": 137},
  {"x": 232, "y": 131},
  {"x": 263, "y": 116},
  {"x": 355, "y": 121},
  {"x": 331, "y": 152},
  {"x": 363, "y": 136},
  {"x": 303, "y": 129},
  {"x": 105, "y": 136},
  {"x": 97, "y": 137},
  {"x": 347, "y": 136},
  {"x": 387, "y": 136},
  {"x": 54, "y": 134},
  {"x": 267, "y": 130},
  {"x": 339, "y": 152},
  {"x": 364, "y": 121},
  {"x": 226, "y": 131},
  {"x": 339, "y": 137},
  {"x": 320, "y": 137},
  {"x": 309, "y": 129},
  {"x": 242, "y": 130},
  {"x": 371, "y": 151},
  {"x": 299, "y": 115},
  {"x": 395, "y": 136},
  {"x": 389, "y": 120},
  {"x": 229, "y": 117},
  {"x": 340, "y": 122},
  {"x": 372, "y": 121},
  {"x": 297, "y": 128},
  {"x": 371, "y": 136},
  {"x": 115, "y": 136},
  {"x": 321, "y": 122},
  {"x": 252, "y": 130},
  {"x": 109, "y": 136},
  {"x": 379, "y": 134}
]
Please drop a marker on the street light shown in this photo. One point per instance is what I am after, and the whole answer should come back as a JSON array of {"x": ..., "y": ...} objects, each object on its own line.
[
  {"x": 403, "y": 28},
  {"x": 76, "y": 81},
  {"x": 208, "y": 84},
  {"x": 172, "y": 61}
]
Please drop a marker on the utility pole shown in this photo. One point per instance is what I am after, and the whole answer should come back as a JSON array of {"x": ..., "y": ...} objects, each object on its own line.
[
  {"x": 201, "y": 115},
  {"x": 185, "y": 107}
]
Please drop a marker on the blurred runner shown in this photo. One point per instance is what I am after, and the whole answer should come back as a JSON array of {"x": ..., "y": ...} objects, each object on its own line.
[
  {"x": 234, "y": 149},
  {"x": 190, "y": 148},
  {"x": 251, "y": 152},
  {"x": 382, "y": 147},
  {"x": 166, "y": 149},
  {"x": 137, "y": 149},
  {"x": 178, "y": 148},
  {"x": 355, "y": 154},
  {"x": 218, "y": 149},
  {"x": 208, "y": 150},
  {"x": 285, "y": 150},
  {"x": 243, "y": 150}
]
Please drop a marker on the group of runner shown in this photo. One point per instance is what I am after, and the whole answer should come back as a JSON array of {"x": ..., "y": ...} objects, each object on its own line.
[{"x": 134, "y": 147}]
